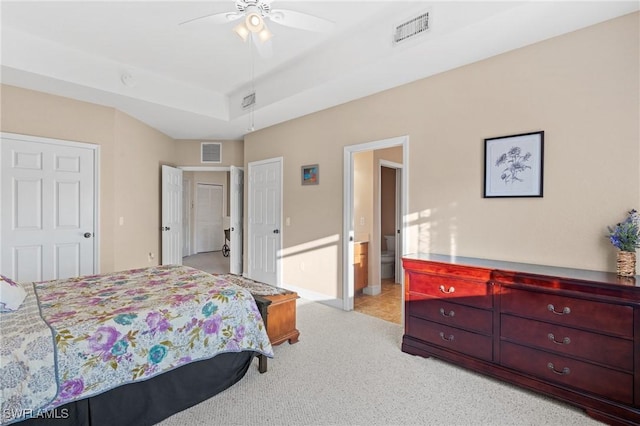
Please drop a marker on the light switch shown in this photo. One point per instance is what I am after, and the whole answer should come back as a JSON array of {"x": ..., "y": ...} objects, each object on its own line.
[
  {"x": 121, "y": 220},
  {"x": 287, "y": 221}
]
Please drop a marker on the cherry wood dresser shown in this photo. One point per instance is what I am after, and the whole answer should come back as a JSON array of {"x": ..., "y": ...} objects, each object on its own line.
[{"x": 567, "y": 333}]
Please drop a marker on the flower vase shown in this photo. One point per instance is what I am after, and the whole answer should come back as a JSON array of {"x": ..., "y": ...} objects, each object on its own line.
[{"x": 626, "y": 264}]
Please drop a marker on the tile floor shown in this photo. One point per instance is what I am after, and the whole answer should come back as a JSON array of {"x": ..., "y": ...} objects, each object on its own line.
[{"x": 387, "y": 305}]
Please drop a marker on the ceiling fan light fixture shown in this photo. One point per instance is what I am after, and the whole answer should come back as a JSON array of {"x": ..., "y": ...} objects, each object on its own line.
[
  {"x": 254, "y": 22},
  {"x": 242, "y": 31},
  {"x": 265, "y": 34}
]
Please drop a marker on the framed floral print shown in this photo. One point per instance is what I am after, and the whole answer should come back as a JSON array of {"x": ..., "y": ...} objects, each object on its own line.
[{"x": 513, "y": 165}]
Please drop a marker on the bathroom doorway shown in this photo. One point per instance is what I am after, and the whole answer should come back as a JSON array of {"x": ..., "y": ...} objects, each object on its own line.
[
  {"x": 380, "y": 297},
  {"x": 390, "y": 175}
]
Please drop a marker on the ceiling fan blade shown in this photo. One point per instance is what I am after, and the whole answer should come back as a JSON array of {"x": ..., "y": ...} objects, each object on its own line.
[
  {"x": 303, "y": 21},
  {"x": 217, "y": 18},
  {"x": 264, "y": 48}
]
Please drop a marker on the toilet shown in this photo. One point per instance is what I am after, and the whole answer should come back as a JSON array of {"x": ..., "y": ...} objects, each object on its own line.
[{"x": 388, "y": 258}]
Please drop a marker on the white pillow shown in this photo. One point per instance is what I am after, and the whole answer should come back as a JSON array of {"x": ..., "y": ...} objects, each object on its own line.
[{"x": 11, "y": 295}]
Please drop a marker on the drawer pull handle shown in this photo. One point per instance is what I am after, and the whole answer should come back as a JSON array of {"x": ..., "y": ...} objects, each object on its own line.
[
  {"x": 446, "y": 339},
  {"x": 565, "y": 310},
  {"x": 444, "y": 314},
  {"x": 565, "y": 341},
  {"x": 451, "y": 289},
  {"x": 565, "y": 371}
]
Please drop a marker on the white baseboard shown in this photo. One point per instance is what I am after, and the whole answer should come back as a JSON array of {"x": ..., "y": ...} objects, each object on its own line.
[
  {"x": 315, "y": 297},
  {"x": 372, "y": 290}
]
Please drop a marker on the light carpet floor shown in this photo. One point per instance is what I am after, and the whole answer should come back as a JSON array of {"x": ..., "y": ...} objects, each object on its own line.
[{"x": 348, "y": 369}]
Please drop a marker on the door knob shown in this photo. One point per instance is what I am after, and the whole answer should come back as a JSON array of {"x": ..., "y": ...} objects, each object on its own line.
[
  {"x": 276, "y": 231},
  {"x": 87, "y": 234}
]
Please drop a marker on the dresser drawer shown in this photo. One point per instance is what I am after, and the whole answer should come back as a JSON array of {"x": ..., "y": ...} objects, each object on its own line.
[
  {"x": 451, "y": 338},
  {"x": 466, "y": 292},
  {"x": 610, "y": 351},
  {"x": 452, "y": 314},
  {"x": 569, "y": 372},
  {"x": 601, "y": 317}
]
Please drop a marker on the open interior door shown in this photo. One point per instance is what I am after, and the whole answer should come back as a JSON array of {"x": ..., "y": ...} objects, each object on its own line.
[
  {"x": 264, "y": 211},
  {"x": 237, "y": 217},
  {"x": 171, "y": 226}
]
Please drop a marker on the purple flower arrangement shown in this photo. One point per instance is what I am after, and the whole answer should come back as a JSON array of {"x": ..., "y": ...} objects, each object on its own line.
[{"x": 625, "y": 236}]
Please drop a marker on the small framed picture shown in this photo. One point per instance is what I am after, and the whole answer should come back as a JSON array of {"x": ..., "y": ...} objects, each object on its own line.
[
  {"x": 310, "y": 174},
  {"x": 513, "y": 165}
]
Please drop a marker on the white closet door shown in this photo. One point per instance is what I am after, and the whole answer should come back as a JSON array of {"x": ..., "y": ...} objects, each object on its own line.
[
  {"x": 48, "y": 208},
  {"x": 209, "y": 232}
]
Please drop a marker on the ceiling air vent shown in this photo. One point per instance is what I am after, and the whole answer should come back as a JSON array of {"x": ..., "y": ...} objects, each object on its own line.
[
  {"x": 411, "y": 28},
  {"x": 249, "y": 100},
  {"x": 211, "y": 152}
]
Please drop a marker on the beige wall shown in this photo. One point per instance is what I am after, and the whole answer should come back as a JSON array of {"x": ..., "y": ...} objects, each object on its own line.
[
  {"x": 130, "y": 157},
  {"x": 582, "y": 89},
  {"x": 140, "y": 152},
  {"x": 363, "y": 195}
]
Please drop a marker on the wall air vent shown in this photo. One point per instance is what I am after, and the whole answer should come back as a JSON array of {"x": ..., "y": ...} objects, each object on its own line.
[
  {"x": 249, "y": 100},
  {"x": 211, "y": 152},
  {"x": 411, "y": 28}
]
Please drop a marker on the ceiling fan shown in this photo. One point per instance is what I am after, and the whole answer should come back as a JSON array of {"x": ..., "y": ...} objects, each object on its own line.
[{"x": 256, "y": 13}]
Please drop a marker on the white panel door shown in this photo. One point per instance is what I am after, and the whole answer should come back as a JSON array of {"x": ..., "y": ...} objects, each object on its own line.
[
  {"x": 209, "y": 232},
  {"x": 48, "y": 208},
  {"x": 237, "y": 213},
  {"x": 265, "y": 194},
  {"x": 186, "y": 217},
  {"x": 171, "y": 216}
]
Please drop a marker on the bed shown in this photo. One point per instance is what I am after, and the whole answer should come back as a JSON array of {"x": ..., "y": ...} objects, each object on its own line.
[{"x": 128, "y": 347}]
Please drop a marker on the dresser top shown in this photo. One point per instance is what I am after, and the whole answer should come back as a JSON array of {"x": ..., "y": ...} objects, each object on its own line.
[{"x": 528, "y": 268}]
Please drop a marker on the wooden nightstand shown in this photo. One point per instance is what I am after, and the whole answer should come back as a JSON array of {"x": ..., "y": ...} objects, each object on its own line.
[
  {"x": 278, "y": 309},
  {"x": 280, "y": 317}
]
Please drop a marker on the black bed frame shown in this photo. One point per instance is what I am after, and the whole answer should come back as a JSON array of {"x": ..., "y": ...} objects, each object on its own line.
[{"x": 151, "y": 401}]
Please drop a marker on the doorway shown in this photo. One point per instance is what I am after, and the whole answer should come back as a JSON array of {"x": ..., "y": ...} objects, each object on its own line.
[
  {"x": 231, "y": 180},
  {"x": 375, "y": 236},
  {"x": 208, "y": 224},
  {"x": 390, "y": 204},
  {"x": 384, "y": 301}
]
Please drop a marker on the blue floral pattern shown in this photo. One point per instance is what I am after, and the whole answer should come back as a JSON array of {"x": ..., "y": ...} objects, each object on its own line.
[{"x": 27, "y": 364}]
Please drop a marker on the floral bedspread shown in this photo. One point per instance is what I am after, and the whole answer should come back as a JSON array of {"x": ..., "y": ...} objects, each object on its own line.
[
  {"x": 113, "y": 329},
  {"x": 27, "y": 366}
]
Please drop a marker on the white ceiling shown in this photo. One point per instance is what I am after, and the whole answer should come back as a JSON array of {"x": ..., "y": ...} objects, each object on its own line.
[{"x": 188, "y": 81}]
